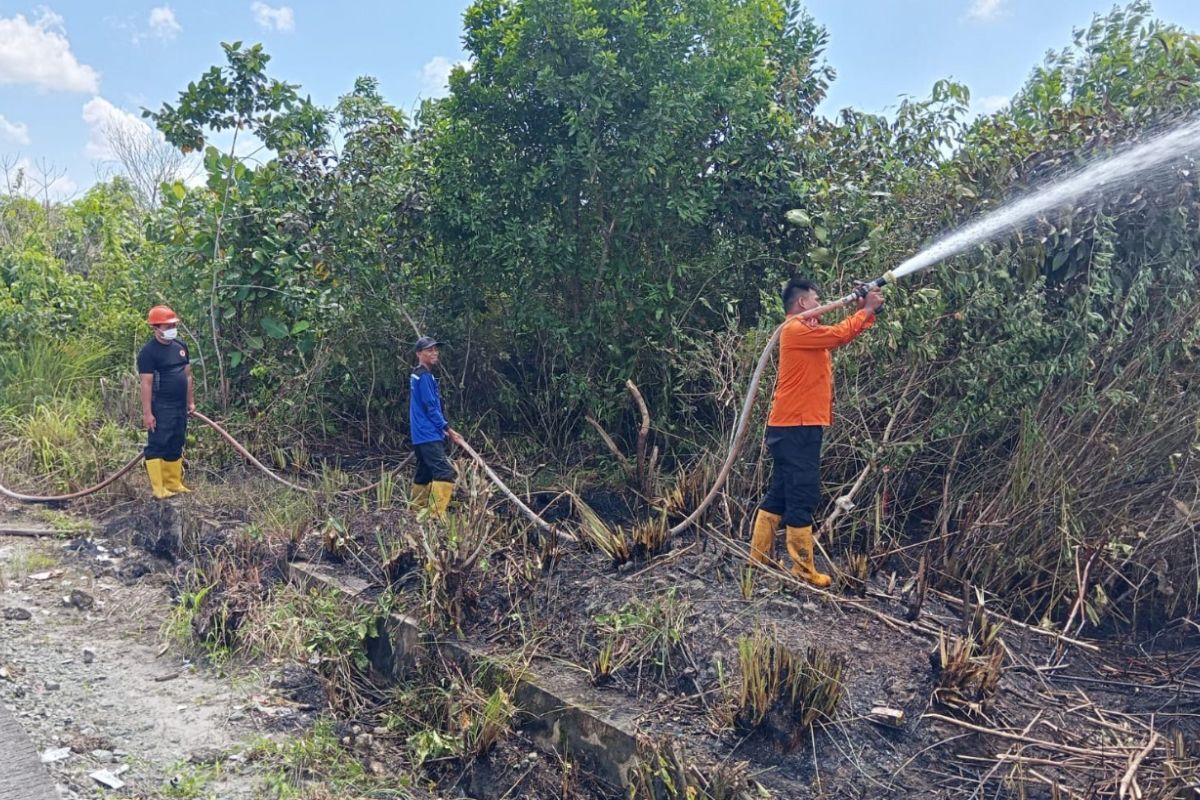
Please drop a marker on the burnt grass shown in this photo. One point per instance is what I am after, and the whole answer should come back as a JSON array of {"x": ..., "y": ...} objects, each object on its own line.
[
  {"x": 556, "y": 607},
  {"x": 672, "y": 623},
  {"x": 170, "y": 543}
]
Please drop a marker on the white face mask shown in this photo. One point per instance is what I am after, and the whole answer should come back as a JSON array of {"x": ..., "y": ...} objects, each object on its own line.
[{"x": 170, "y": 333}]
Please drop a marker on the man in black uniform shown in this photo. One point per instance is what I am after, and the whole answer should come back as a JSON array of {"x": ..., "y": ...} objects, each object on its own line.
[{"x": 167, "y": 400}]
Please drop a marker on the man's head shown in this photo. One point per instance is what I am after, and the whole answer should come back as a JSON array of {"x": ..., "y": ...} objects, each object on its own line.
[
  {"x": 164, "y": 322},
  {"x": 427, "y": 351},
  {"x": 799, "y": 295}
]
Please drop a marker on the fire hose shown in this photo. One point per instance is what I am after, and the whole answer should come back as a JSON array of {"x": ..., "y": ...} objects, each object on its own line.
[
  {"x": 244, "y": 453},
  {"x": 33, "y": 498},
  {"x": 738, "y": 439},
  {"x": 133, "y": 462},
  {"x": 743, "y": 423}
]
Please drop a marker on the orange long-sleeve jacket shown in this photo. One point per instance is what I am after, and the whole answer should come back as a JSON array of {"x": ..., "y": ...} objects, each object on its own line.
[{"x": 804, "y": 388}]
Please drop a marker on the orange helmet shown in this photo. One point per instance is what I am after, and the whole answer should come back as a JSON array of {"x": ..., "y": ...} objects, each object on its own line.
[{"x": 161, "y": 315}]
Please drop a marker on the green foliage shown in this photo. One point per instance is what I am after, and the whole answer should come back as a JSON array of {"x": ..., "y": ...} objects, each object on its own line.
[
  {"x": 44, "y": 371},
  {"x": 65, "y": 442},
  {"x": 288, "y": 260},
  {"x": 643, "y": 637},
  {"x": 294, "y": 767},
  {"x": 70, "y": 274},
  {"x": 191, "y": 781},
  {"x": 180, "y": 625},
  {"x": 450, "y": 714},
  {"x": 1053, "y": 361},
  {"x": 315, "y": 627},
  {"x": 240, "y": 96},
  {"x": 615, "y": 189},
  {"x": 582, "y": 181}
]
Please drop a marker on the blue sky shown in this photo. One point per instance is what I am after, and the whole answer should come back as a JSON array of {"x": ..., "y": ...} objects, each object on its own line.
[{"x": 70, "y": 67}]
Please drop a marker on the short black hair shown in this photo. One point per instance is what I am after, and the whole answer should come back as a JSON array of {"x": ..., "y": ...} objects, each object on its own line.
[{"x": 795, "y": 287}]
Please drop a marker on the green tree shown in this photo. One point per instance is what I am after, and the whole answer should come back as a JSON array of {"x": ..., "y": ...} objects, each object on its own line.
[
  {"x": 587, "y": 164},
  {"x": 237, "y": 97}
]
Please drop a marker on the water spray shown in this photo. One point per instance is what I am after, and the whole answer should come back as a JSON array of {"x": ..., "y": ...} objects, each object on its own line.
[{"x": 1114, "y": 171}]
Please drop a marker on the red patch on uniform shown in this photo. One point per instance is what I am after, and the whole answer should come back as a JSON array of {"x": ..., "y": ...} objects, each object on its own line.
[{"x": 183, "y": 352}]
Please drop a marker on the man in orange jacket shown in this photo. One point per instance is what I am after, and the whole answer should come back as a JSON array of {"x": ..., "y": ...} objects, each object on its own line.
[{"x": 800, "y": 411}]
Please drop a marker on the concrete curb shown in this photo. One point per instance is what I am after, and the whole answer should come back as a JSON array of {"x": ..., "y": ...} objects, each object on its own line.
[
  {"x": 22, "y": 776},
  {"x": 603, "y": 738}
]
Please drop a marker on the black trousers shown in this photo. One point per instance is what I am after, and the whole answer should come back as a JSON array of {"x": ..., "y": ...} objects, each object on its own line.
[
  {"x": 795, "y": 487},
  {"x": 170, "y": 430},
  {"x": 432, "y": 463}
]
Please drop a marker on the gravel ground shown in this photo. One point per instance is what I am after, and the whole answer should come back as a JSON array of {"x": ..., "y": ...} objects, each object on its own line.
[{"x": 83, "y": 670}]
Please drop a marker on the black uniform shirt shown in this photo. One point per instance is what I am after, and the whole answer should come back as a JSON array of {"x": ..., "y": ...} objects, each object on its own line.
[{"x": 167, "y": 362}]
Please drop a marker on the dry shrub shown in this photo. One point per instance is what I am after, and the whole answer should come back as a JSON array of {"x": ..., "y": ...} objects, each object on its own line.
[
  {"x": 666, "y": 771},
  {"x": 691, "y": 487},
  {"x": 643, "y": 640},
  {"x": 782, "y": 692},
  {"x": 452, "y": 551},
  {"x": 858, "y": 571},
  {"x": 608, "y": 539},
  {"x": 967, "y": 668},
  {"x": 650, "y": 537},
  {"x": 643, "y": 540}
]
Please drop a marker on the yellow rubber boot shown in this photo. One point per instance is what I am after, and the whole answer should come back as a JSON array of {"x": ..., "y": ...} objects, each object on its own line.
[
  {"x": 154, "y": 468},
  {"x": 762, "y": 543},
  {"x": 172, "y": 472},
  {"x": 420, "y": 495},
  {"x": 441, "y": 491},
  {"x": 800, "y": 548}
]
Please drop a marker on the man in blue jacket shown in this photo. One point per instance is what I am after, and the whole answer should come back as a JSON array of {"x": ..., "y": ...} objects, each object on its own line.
[{"x": 429, "y": 430}]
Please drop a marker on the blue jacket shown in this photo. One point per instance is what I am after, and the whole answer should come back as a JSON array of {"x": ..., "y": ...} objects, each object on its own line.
[{"x": 426, "y": 423}]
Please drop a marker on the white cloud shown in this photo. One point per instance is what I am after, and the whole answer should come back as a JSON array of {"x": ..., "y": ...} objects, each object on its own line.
[
  {"x": 103, "y": 118},
  {"x": 14, "y": 132},
  {"x": 435, "y": 75},
  {"x": 38, "y": 54},
  {"x": 278, "y": 19},
  {"x": 163, "y": 23},
  {"x": 985, "y": 9},
  {"x": 991, "y": 103}
]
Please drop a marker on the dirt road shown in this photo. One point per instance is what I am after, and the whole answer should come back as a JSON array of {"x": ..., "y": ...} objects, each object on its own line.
[{"x": 82, "y": 670}]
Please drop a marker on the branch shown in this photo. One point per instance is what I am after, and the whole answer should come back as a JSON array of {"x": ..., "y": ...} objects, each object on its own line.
[
  {"x": 1130, "y": 777},
  {"x": 608, "y": 440},
  {"x": 1016, "y": 737},
  {"x": 643, "y": 433}
]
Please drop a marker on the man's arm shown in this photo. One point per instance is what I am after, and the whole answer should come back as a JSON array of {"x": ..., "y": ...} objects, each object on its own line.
[
  {"x": 191, "y": 390},
  {"x": 828, "y": 337},
  {"x": 147, "y": 392}
]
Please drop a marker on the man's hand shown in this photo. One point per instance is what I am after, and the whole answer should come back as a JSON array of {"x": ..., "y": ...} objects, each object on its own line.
[
  {"x": 149, "y": 421},
  {"x": 873, "y": 301},
  {"x": 454, "y": 435},
  {"x": 191, "y": 407}
]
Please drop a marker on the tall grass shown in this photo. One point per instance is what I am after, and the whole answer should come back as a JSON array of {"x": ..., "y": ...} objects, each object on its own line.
[
  {"x": 53, "y": 432},
  {"x": 45, "y": 371}
]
